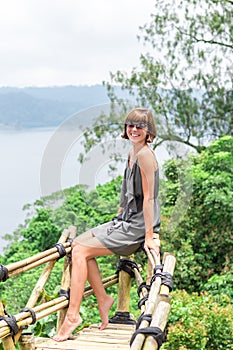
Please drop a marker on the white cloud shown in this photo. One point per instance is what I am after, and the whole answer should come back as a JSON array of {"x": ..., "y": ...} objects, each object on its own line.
[{"x": 61, "y": 42}]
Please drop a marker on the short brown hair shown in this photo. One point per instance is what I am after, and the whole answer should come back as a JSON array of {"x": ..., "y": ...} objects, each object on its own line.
[{"x": 141, "y": 115}]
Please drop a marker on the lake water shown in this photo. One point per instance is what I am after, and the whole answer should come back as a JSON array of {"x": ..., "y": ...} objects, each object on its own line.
[
  {"x": 20, "y": 153},
  {"x": 39, "y": 162}
]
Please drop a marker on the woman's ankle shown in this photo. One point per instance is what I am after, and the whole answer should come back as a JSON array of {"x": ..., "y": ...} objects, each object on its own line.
[{"x": 72, "y": 317}]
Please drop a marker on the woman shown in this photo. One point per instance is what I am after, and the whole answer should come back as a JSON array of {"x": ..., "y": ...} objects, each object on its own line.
[{"x": 137, "y": 219}]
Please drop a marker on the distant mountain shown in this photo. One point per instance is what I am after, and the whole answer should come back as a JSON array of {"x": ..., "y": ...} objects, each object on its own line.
[
  {"x": 33, "y": 107},
  {"x": 46, "y": 106}
]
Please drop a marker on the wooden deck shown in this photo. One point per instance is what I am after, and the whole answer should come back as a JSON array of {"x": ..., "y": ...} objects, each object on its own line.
[{"x": 115, "y": 336}]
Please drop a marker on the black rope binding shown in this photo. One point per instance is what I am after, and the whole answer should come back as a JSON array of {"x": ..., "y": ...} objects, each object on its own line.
[
  {"x": 143, "y": 285},
  {"x": 65, "y": 293},
  {"x": 3, "y": 273},
  {"x": 158, "y": 267},
  {"x": 61, "y": 250},
  {"x": 142, "y": 301},
  {"x": 126, "y": 265},
  {"x": 154, "y": 332},
  {"x": 166, "y": 279},
  {"x": 122, "y": 318},
  {"x": 11, "y": 322},
  {"x": 32, "y": 312},
  {"x": 70, "y": 240},
  {"x": 142, "y": 317}
]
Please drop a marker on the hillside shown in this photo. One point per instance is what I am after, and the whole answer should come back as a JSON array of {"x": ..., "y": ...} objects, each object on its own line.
[{"x": 46, "y": 106}]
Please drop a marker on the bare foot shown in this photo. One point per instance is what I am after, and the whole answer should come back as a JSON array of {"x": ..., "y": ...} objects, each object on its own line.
[
  {"x": 69, "y": 325},
  {"x": 104, "y": 308}
]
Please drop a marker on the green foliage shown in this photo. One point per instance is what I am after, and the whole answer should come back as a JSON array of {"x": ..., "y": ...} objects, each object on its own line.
[
  {"x": 202, "y": 241},
  {"x": 88, "y": 209},
  {"x": 220, "y": 284},
  {"x": 199, "y": 322},
  {"x": 74, "y": 206},
  {"x": 46, "y": 327},
  {"x": 41, "y": 232},
  {"x": 23, "y": 284},
  {"x": 170, "y": 170}
]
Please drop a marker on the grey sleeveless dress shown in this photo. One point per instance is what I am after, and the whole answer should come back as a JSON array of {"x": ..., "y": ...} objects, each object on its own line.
[{"x": 125, "y": 233}]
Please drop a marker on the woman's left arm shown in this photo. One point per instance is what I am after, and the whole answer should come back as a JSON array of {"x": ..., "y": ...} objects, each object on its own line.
[{"x": 147, "y": 164}]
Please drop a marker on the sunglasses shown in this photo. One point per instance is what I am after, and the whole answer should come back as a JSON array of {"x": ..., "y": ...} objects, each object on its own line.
[{"x": 139, "y": 125}]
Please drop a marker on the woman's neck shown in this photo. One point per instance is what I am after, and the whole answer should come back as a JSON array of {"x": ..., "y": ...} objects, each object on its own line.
[{"x": 138, "y": 146}]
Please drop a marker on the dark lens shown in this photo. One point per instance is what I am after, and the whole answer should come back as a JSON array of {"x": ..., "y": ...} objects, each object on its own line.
[
  {"x": 130, "y": 124},
  {"x": 140, "y": 125},
  {"x": 137, "y": 125}
]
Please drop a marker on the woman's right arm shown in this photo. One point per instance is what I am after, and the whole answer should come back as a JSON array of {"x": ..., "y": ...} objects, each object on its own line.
[{"x": 120, "y": 210}]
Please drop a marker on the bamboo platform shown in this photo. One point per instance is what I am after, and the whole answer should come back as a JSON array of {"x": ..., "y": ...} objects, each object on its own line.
[{"x": 115, "y": 336}]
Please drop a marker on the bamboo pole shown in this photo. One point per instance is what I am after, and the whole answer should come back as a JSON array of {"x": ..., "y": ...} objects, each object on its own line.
[
  {"x": 122, "y": 314},
  {"x": 45, "y": 274},
  {"x": 27, "y": 341},
  {"x": 169, "y": 266},
  {"x": 143, "y": 291},
  {"x": 39, "y": 315},
  {"x": 7, "y": 343},
  {"x": 151, "y": 261},
  {"x": 25, "y": 316},
  {"x": 150, "y": 304},
  {"x": 39, "y": 262},
  {"x": 162, "y": 309},
  {"x": 42, "y": 280},
  {"x": 106, "y": 284},
  {"x": 138, "y": 276},
  {"x": 22, "y": 263},
  {"x": 123, "y": 292},
  {"x": 66, "y": 279},
  {"x": 160, "y": 321},
  {"x": 45, "y": 309}
]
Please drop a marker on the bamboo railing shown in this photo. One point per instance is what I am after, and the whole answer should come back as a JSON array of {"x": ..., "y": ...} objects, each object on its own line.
[{"x": 154, "y": 295}]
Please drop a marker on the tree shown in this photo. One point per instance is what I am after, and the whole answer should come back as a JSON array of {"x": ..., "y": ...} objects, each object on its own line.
[
  {"x": 185, "y": 74},
  {"x": 202, "y": 241}
]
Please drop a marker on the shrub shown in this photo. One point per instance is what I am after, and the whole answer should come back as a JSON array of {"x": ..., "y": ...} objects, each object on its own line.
[{"x": 199, "y": 322}]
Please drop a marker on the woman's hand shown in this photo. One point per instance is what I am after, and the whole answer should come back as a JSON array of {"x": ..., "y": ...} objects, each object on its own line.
[{"x": 150, "y": 244}]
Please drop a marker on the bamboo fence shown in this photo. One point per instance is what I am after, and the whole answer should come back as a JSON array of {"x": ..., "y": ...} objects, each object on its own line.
[{"x": 154, "y": 294}]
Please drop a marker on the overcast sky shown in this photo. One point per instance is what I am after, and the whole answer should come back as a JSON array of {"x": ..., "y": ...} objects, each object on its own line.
[{"x": 69, "y": 42}]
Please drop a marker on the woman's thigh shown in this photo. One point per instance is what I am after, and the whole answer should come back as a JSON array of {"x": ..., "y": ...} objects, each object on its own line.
[
  {"x": 89, "y": 245},
  {"x": 87, "y": 238}
]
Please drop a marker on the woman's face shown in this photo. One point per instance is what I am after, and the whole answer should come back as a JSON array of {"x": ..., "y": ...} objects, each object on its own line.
[{"x": 136, "y": 131}]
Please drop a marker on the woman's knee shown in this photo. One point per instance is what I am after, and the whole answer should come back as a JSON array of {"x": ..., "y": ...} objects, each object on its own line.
[
  {"x": 79, "y": 251},
  {"x": 74, "y": 244}
]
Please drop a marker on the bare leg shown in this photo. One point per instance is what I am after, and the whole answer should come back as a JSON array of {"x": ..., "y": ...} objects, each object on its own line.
[
  {"x": 105, "y": 301},
  {"x": 80, "y": 256}
]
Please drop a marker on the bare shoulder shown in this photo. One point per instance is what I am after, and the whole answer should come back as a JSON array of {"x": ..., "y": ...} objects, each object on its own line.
[{"x": 147, "y": 159}]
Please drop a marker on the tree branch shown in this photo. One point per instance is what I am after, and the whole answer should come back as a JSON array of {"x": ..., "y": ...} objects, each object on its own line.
[
  {"x": 229, "y": 1},
  {"x": 212, "y": 41},
  {"x": 173, "y": 137}
]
